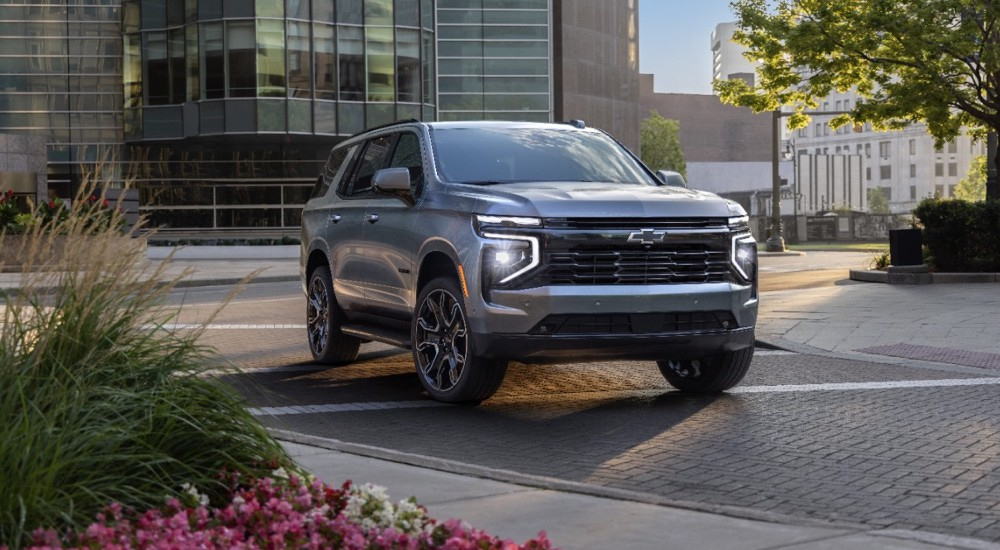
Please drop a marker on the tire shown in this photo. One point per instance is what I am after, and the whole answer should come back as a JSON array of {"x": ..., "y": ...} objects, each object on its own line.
[
  {"x": 443, "y": 354},
  {"x": 711, "y": 374},
  {"x": 323, "y": 320}
]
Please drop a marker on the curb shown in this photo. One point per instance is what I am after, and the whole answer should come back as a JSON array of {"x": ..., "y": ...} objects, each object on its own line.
[{"x": 876, "y": 276}]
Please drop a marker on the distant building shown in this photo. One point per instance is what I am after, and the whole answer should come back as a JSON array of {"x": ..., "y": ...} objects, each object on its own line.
[
  {"x": 727, "y": 149},
  {"x": 728, "y": 61}
]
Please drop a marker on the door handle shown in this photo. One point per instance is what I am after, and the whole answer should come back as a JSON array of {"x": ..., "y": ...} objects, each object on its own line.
[
  {"x": 334, "y": 218},
  {"x": 371, "y": 218}
]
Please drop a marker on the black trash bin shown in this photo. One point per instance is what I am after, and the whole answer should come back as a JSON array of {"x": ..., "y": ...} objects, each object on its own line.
[{"x": 905, "y": 247}]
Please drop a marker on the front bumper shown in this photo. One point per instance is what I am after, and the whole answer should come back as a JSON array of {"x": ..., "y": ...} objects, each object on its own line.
[
  {"x": 615, "y": 321},
  {"x": 613, "y": 346}
]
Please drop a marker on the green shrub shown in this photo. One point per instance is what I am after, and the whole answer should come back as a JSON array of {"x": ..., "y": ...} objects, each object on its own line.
[
  {"x": 961, "y": 236},
  {"x": 101, "y": 402}
]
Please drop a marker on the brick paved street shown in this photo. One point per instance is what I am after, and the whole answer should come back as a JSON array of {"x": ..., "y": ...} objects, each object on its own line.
[{"x": 807, "y": 436}]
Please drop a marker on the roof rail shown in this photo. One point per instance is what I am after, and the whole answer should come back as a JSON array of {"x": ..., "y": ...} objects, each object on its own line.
[{"x": 389, "y": 125}]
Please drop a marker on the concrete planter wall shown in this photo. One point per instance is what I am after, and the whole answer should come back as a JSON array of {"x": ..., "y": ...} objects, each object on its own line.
[{"x": 52, "y": 252}]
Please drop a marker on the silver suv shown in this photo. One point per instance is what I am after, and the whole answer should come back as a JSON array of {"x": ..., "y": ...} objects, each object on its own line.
[{"x": 475, "y": 243}]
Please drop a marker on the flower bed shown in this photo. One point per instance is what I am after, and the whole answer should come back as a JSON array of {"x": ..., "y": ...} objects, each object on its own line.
[{"x": 282, "y": 512}]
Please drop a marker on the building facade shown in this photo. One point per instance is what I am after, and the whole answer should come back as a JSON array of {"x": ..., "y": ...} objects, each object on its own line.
[
  {"x": 222, "y": 111},
  {"x": 60, "y": 79},
  {"x": 905, "y": 166},
  {"x": 728, "y": 61}
]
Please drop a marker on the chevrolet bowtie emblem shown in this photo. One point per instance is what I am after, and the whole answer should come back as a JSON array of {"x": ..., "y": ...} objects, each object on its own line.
[{"x": 646, "y": 236}]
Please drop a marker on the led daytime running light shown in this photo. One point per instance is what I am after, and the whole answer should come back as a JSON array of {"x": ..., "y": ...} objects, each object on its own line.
[{"x": 535, "y": 260}]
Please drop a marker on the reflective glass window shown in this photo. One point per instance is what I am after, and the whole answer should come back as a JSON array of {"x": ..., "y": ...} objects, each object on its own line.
[
  {"x": 300, "y": 116},
  {"x": 516, "y": 67},
  {"x": 154, "y": 14},
  {"x": 238, "y": 8},
  {"x": 515, "y": 17},
  {"x": 325, "y": 60},
  {"x": 407, "y": 13},
  {"x": 380, "y": 61},
  {"x": 213, "y": 64},
  {"x": 497, "y": 84},
  {"x": 270, "y": 58},
  {"x": 191, "y": 60},
  {"x": 209, "y": 9},
  {"x": 132, "y": 71},
  {"x": 454, "y": 48},
  {"x": 461, "y": 4},
  {"x": 350, "y": 11},
  {"x": 429, "y": 71},
  {"x": 130, "y": 16},
  {"x": 408, "y": 65},
  {"x": 519, "y": 32},
  {"x": 427, "y": 14},
  {"x": 460, "y": 32},
  {"x": 516, "y": 49},
  {"x": 178, "y": 66},
  {"x": 242, "y": 53},
  {"x": 460, "y": 17},
  {"x": 350, "y": 52},
  {"x": 299, "y": 67},
  {"x": 299, "y": 9},
  {"x": 271, "y": 115},
  {"x": 156, "y": 71},
  {"x": 175, "y": 13},
  {"x": 378, "y": 12},
  {"x": 270, "y": 8},
  {"x": 516, "y": 4}
]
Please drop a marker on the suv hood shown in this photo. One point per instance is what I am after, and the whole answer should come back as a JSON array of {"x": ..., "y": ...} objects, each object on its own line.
[{"x": 598, "y": 200}]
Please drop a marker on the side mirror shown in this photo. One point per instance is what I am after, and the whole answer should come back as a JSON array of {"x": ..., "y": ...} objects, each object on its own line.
[
  {"x": 671, "y": 179},
  {"x": 395, "y": 182}
]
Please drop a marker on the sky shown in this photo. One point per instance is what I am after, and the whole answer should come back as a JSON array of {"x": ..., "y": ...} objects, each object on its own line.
[{"x": 674, "y": 42}]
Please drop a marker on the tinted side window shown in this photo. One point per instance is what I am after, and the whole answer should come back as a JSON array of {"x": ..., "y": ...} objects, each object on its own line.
[
  {"x": 407, "y": 155},
  {"x": 334, "y": 167},
  {"x": 374, "y": 158}
]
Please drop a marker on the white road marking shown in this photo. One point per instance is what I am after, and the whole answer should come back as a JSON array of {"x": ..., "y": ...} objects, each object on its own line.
[
  {"x": 793, "y": 388},
  {"x": 225, "y": 326}
]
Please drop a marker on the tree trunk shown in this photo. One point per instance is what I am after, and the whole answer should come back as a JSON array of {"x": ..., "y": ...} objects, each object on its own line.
[{"x": 992, "y": 167}]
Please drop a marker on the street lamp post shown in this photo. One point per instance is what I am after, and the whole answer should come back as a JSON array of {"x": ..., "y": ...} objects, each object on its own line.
[{"x": 775, "y": 242}]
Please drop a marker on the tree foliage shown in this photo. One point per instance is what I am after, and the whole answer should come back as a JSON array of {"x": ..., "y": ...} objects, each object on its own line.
[
  {"x": 878, "y": 202},
  {"x": 973, "y": 186},
  {"x": 930, "y": 61},
  {"x": 661, "y": 144}
]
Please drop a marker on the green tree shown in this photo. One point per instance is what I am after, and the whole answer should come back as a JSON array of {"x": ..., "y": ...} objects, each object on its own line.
[
  {"x": 973, "y": 186},
  {"x": 930, "y": 61},
  {"x": 878, "y": 203},
  {"x": 661, "y": 144}
]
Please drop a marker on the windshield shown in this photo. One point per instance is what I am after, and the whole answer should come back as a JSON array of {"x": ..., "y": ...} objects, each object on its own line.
[{"x": 511, "y": 155}]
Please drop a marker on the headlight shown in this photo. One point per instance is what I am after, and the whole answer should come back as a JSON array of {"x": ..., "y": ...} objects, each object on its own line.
[
  {"x": 514, "y": 256},
  {"x": 744, "y": 257}
]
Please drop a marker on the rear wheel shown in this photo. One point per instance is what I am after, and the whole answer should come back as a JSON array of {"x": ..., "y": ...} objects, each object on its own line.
[
  {"x": 447, "y": 365},
  {"x": 711, "y": 374},
  {"x": 323, "y": 320}
]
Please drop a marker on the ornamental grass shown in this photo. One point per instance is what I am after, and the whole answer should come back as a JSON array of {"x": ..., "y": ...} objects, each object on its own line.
[{"x": 100, "y": 402}]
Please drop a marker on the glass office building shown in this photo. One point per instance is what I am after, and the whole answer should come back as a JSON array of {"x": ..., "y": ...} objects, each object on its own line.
[
  {"x": 60, "y": 78},
  {"x": 231, "y": 106},
  {"x": 222, "y": 111},
  {"x": 494, "y": 60}
]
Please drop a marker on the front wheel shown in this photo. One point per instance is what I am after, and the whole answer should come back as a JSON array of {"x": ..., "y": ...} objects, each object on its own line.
[
  {"x": 443, "y": 352},
  {"x": 713, "y": 374}
]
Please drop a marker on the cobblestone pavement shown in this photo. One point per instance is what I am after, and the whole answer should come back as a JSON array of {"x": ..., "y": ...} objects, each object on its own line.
[{"x": 808, "y": 436}]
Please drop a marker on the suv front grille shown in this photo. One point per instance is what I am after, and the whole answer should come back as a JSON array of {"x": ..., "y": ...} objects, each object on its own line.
[
  {"x": 640, "y": 223},
  {"x": 635, "y": 323},
  {"x": 681, "y": 263}
]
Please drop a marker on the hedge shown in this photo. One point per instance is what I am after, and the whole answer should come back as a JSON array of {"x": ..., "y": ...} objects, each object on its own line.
[{"x": 960, "y": 236}]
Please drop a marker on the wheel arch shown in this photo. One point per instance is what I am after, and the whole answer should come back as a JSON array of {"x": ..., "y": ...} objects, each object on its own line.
[
  {"x": 436, "y": 264},
  {"x": 317, "y": 258}
]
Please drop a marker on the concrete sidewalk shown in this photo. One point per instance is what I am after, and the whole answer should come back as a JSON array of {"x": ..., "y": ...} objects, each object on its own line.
[{"x": 957, "y": 325}]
